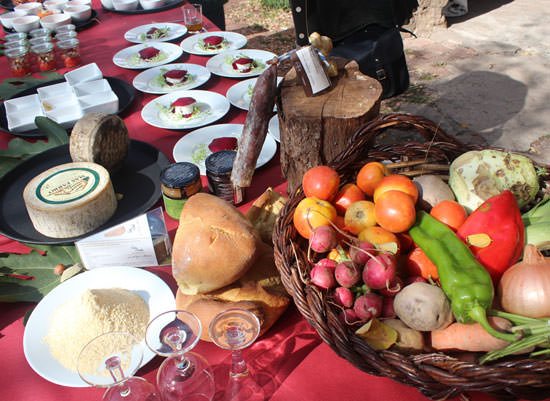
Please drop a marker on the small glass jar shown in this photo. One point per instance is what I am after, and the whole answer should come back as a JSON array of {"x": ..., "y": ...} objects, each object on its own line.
[
  {"x": 45, "y": 56},
  {"x": 39, "y": 40},
  {"x": 61, "y": 36},
  {"x": 18, "y": 59},
  {"x": 40, "y": 33},
  {"x": 15, "y": 37},
  {"x": 16, "y": 43},
  {"x": 69, "y": 51},
  {"x": 218, "y": 172},
  {"x": 178, "y": 182},
  {"x": 65, "y": 28}
]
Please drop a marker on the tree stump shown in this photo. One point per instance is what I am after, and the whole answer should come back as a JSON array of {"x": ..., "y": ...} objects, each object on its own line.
[{"x": 314, "y": 130}]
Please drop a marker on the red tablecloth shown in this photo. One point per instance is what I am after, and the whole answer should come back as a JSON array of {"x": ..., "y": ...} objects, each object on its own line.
[{"x": 292, "y": 361}]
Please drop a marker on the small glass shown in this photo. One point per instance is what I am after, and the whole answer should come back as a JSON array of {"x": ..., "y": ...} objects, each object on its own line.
[
  {"x": 69, "y": 51},
  {"x": 60, "y": 36},
  {"x": 10, "y": 37},
  {"x": 65, "y": 28},
  {"x": 192, "y": 17},
  {"x": 40, "y": 32},
  {"x": 45, "y": 56},
  {"x": 16, "y": 43},
  {"x": 18, "y": 59}
]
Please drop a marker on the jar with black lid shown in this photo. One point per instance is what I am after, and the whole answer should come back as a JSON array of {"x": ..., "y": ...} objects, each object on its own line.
[
  {"x": 218, "y": 172},
  {"x": 178, "y": 182}
]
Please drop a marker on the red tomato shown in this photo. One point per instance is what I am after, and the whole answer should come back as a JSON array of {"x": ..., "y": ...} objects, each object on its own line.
[
  {"x": 449, "y": 212},
  {"x": 370, "y": 175},
  {"x": 397, "y": 182},
  {"x": 394, "y": 211},
  {"x": 359, "y": 216},
  {"x": 321, "y": 182},
  {"x": 311, "y": 213},
  {"x": 348, "y": 194}
]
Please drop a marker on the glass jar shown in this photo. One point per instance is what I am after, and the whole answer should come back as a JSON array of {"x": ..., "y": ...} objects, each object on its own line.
[
  {"x": 61, "y": 36},
  {"x": 16, "y": 43},
  {"x": 65, "y": 28},
  {"x": 45, "y": 56},
  {"x": 18, "y": 59},
  {"x": 40, "y": 33},
  {"x": 15, "y": 37},
  {"x": 39, "y": 40},
  {"x": 69, "y": 51},
  {"x": 178, "y": 182},
  {"x": 218, "y": 172}
]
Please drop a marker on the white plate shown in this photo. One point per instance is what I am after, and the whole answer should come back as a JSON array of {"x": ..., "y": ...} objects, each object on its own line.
[
  {"x": 152, "y": 288},
  {"x": 193, "y": 147},
  {"x": 234, "y": 41},
  {"x": 213, "y": 106},
  {"x": 146, "y": 81},
  {"x": 220, "y": 65},
  {"x": 239, "y": 95},
  {"x": 273, "y": 128},
  {"x": 176, "y": 31},
  {"x": 124, "y": 58}
]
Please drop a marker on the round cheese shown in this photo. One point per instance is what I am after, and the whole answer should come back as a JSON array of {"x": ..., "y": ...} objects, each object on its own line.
[{"x": 69, "y": 200}]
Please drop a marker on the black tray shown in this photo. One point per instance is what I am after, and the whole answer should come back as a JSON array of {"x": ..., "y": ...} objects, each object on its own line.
[
  {"x": 124, "y": 91},
  {"x": 78, "y": 25},
  {"x": 140, "y": 10},
  {"x": 138, "y": 182}
]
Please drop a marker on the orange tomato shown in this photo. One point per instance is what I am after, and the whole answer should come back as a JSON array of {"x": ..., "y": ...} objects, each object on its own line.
[
  {"x": 381, "y": 238},
  {"x": 394, "y": 211},
  {"x": 359, "y": 215},
  {"x": 396, "y": 182},
  {"x": 449, "y": 212},
  {"x": 321, "y": 182},
  {"x": 417, "y": 263},
  {"x": 311, "y": 213},
  {"x": 370, "y": 175},
  {"x": 348, "y": 194}
]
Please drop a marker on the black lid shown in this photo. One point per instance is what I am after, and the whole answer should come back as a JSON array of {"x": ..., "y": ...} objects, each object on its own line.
[
  {"x": 179, "y": 175},
  {"x": 220, "y": 162}
]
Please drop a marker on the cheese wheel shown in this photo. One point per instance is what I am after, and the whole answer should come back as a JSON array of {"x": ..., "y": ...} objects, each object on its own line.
[
  {"x": 100, "y": 138},
  {"x": 70, "y": 200}
]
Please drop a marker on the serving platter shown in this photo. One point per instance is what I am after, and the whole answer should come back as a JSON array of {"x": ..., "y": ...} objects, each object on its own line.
[
  {"x": 129, "y": 57},
  {"x": 149, "y": 81},
  {"x": 175, "y": 31},
  {"x": 124, "y": 91},
  {"x": 220, "y": 64},
  {"x": 137, "y": 182},
  {"x": 140, "y": 10},
  {"x": 233, "y": 41},
  {"x": 155, "y": 292}
]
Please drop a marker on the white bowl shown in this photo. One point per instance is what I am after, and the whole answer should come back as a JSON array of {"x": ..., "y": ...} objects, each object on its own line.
[
  {"x": 88, "y": 72},
  {"x": 6, "y": 18},
  {"x": 125, "y": 5},
  {"x": 53, "y": 21},
  {"x": 31, "y": 8},
  {"x": 79, "y": 3},
  {"x": 78, "y": 13},
  {"x": 55, "y": 5},
  {"x": 150, "y": 4},
  {"x": 107, "y": 4},
  {"x": 26, "y": 23}
]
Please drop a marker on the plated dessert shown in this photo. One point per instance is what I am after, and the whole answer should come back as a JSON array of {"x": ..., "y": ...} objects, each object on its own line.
[
  {"x": 211, "y": 43},
  {"x": 158, "y": 32},
  {"x": 240, "y": 63},
  {"x": 147, "y": 55},
  {"x": 171, "y": 77}
]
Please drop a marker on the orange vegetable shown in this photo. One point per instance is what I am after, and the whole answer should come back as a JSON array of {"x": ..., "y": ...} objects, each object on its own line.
[
  {"x": 449, "y": 212},
  {"x": 418, "y": 264}
]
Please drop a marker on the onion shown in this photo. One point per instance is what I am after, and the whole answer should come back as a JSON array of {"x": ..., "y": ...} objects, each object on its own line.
[{"x": 524, "y": 288}]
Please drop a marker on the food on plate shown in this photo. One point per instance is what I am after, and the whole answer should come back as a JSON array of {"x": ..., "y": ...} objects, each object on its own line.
[
  {"x": 213, "y": 42},
  {"x": 71, "y": 199},
  {"x": 92, "y": 313},
  {"x": 148, "y": 55},
  {"x": 183, "y": 106},
  {"x": 100, "y": 138},
  {"x": 243, "y": 64},
  {"x": 175, "y": 77},
  {"x": 223, "y": 143},
  {"x": 155, "y": 33},
  {"x": 183, "y": 109}
]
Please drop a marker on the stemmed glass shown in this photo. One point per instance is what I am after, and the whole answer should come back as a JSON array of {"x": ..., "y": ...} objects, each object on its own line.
[
  {"x": 235, "y": 329},
  {"x": 111, "y": 360},
  {"x": 183, "y": 375}
]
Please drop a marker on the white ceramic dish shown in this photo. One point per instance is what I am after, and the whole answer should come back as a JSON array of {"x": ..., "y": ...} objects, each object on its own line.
[
  {"x": 66, "y": 116},
  {"x": 55, "y": 5},
  {"x": 220, "y": 64},
  {"x": 101, "y": 102},
  {"x": 233, "y": 41},
  {"x": 193, "y": 147},
  {"x": 212, "y": 106},
  {"x": 125, "y": 5},
  {"x": 79, "y": 3},
  {"x": 30, "y": 8},
  {"x": 22, "y": 103},
  {"x": 23, "y": 120},
  {"x": 78, "y": 13},
  {"x": 152, "y": 288},
  {"x": 26, "y": 23},
  {"x": 129, "y": 57},
  {"x": 92, "y": 87},
  {"x": 6, "y": 18},
  {"x": 88, "y": 72},
  {"x": 137, "y": 34},
  {"x": 60, "y": 89},
  {"x": 240, "y": 94},
  {"x": 107, "y": 3},
  {"x": 149, "y": 81},
  {"x": 53, "y": 21},
  {"x": 273, "y": 128},
  {"x": 151, "y": 4}
]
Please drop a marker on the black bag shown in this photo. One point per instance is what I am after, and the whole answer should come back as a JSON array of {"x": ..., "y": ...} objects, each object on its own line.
[{"x": 380, "y": 55}]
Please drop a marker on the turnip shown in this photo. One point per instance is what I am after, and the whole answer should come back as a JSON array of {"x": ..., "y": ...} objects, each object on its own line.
[
  {"x": 331, "y": 264},
  {"x": 347, "y": 274},
  {"x": 348, "y": 316},
  {"x": 379, "y": 271},
  {"x": 395, "y": 286},
  {"x": 322, "y": 276},
  {"x": 360, "y": 252},
  {"x": 368, "y": 306},
  {"x": 387, "y": 307},
  {"x": 343, "y": 297},
  {"x": 323, "y": 239}
]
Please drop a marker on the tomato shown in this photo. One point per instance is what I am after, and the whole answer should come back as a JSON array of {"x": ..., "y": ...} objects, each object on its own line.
[
  {"x": 310, "y": 213},
  {"x": 394, "y": 211},
  {"x": 321, "y": 182},
  {"x": 348, "y": 194},
  {"x": 396, "y": 182},
  {"x": 359, "y": 216},
  {"x": 370, "y": 175},
  {"x": 417, "y": 263},
  {"x": 449, "y": 212},
  {"x": 381, "y": 238}
]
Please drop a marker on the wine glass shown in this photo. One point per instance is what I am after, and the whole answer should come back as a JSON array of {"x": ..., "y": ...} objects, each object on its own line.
[
  {"x": 183, "y": 375},
  {"x": 111, "y": 360},
  {"x": 234, "y": 329}
]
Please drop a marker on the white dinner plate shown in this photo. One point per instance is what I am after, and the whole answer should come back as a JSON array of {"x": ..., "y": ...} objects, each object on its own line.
[
  {"x": 129, "y": 57},
  {"x": 212, "y": 106},
  {"x": 233, "y": 41},
  {"x": 220, "y": 64},
  {"x": 137, "y": 34},
  {"x": 240, "y": 94},
  {"x": 151, "y": 81},
  {"x": 273, "y": 128},
  {"x": 193, "y": 147},
  {"x": 149, "y": 286}
]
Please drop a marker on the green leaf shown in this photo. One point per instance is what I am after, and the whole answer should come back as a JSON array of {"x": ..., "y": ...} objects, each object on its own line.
[
  {"x": 11, "y": 86},
  {"x": 36, "y": 265}
]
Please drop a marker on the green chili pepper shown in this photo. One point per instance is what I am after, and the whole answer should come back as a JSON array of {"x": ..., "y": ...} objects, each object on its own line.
[{"x": 463, "y": 279}]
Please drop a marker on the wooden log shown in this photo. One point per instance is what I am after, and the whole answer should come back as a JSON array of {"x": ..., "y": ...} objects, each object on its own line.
[{"x": 314, "y": 130}]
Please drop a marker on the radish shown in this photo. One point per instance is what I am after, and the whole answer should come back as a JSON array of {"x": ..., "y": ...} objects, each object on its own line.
[
  {"x": 322, "y": 276},
  {"x": 322, "y": 239},
  {"x": 331, "y": 264},
  {"x": 395, "y": 286},
  {"x": 387, "y": 307},
  {"x": 415, "y": 279},
  {"x": 379, "y": 271},
  {"x": 368, "y": 306},
  {"x": 347, "y": 274},
  {"x": 361, "y": 252},
  {"x": 343, "y": 297},
  {"x": 348, "y": 316}
]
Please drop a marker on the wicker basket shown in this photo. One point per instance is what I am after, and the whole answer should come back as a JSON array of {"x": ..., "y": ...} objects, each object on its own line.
[{"x": 436, "y": 375}]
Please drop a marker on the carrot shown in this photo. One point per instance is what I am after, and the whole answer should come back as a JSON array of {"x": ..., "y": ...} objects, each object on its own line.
[{"x": 470, "y": 337}]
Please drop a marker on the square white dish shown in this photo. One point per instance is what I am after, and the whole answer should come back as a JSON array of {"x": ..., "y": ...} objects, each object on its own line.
[
  {"x": 104, "y": 102},
  {"x": 59, "y": 102},
  {"x": 88, "y": 72},
  {"x": 23, "y": 120},
  {"x": 91, "y": 87},
  {"x": 66, "y": 116},
  {"x": 22, "y": 103},
  {"x": 60, "y": 89}
]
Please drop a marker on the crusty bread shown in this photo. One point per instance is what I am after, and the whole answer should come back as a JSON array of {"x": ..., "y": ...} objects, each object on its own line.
[
  {"x": 214, "y": 246},
  {"x": 264, "y": 211}
]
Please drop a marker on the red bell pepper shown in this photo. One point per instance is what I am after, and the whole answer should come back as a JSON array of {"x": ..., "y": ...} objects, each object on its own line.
[{"x": 495, "y": 233}]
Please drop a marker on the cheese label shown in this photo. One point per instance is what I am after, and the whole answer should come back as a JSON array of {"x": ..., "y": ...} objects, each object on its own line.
[{"x": 69, "y": 185}]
